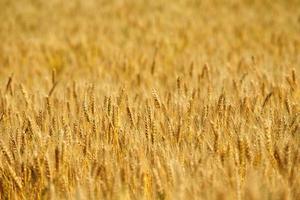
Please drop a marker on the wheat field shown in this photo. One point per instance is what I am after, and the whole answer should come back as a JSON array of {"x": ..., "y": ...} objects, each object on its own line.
[{"x": 162, "y": 99}]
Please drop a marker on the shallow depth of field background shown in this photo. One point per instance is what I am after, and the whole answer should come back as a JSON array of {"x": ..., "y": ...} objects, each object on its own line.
[{"x": 136, "y": 99}]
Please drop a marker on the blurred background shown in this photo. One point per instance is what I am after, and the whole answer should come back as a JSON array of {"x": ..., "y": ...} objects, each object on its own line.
[{"x": 102, "y": 38}]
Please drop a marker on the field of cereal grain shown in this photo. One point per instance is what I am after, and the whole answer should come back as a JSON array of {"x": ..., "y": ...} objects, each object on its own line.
[{"x": 161, "y": 99}]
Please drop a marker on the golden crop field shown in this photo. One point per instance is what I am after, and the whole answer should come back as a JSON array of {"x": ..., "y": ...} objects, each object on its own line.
[{"x": 160, "y": 99}]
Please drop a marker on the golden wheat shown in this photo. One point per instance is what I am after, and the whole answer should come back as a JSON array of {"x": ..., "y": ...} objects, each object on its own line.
[{"x": 181, "y": 99}]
